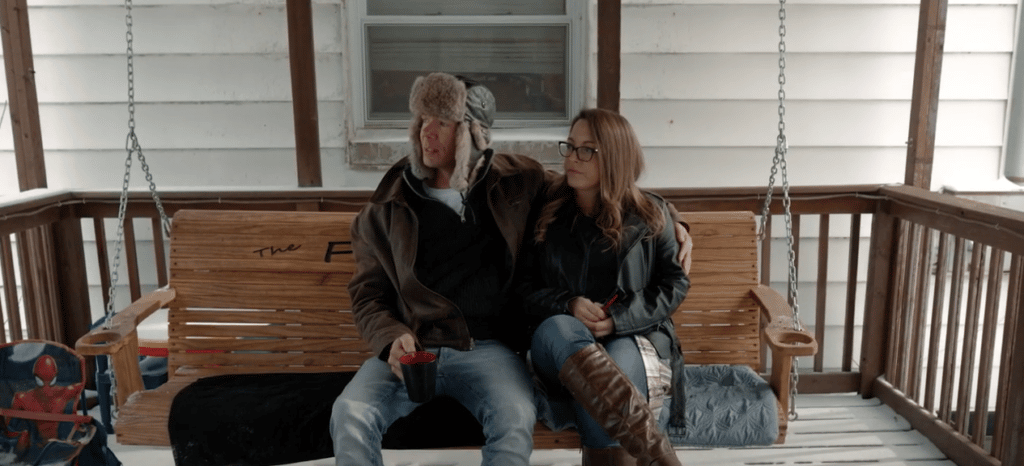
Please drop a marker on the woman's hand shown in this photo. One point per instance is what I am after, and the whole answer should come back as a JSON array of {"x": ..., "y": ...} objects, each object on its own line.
[
  {"x": 592, "y": 316},
  {"x": 402, "y": 345}
]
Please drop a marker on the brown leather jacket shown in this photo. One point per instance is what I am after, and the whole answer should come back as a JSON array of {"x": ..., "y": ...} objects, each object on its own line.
[{"x": 387, "y": 298}]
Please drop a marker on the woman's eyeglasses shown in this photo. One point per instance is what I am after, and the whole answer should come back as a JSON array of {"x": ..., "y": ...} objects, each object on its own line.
[{"x": 582, "y": 153}]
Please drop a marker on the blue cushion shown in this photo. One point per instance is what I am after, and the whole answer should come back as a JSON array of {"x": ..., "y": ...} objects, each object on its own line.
[{"x": 728, "y": 406}]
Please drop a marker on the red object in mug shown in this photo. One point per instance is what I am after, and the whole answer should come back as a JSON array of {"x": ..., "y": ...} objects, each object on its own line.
[{"x": 417, "y": 357}]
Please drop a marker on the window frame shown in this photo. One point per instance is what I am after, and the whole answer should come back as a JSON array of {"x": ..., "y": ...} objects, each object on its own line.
[{"x": 575, "y": 21}]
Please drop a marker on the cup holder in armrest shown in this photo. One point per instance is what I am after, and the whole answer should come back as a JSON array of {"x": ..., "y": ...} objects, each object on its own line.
[
  {"x": 795, "y": 342},
  {"x": 794, "y": 338}
]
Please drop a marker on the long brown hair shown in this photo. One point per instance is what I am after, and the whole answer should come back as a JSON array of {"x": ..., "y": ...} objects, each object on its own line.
[{"x": 622, "y": 162}]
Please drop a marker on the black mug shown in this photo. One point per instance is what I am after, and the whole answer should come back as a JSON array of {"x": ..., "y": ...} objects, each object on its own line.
[{"x": 419, "y": 369}]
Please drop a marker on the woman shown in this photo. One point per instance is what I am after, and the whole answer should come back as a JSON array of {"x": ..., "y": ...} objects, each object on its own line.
[{"x": 606, "y": 277}]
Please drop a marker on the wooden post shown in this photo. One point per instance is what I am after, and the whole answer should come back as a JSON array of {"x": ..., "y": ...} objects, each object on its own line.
[
  {"x": 931, "y": 36},
  {"x": 1012, "y": 444},
  {"x": 876, "y": 305},
  {"x": 609, "y": 49},
  {"x": 71, "y": 275},
  {"x": 21, "y": 93},
  {"x": 304, "y": 97}
]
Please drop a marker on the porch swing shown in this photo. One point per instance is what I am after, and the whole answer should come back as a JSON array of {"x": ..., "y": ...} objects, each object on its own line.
[{"x": 279, "y": 316}]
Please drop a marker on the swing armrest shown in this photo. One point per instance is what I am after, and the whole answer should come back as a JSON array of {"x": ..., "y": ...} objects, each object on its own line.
[
  {"x": 124, "y": 325},
  {"x": 121, "y": 341},
  {"x": 779, "y": 331},
  {"x": 783, "y": 340}
]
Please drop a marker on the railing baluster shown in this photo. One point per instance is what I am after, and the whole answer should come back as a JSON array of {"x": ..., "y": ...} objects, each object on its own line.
[
  {"x": 132, "y": 259},
  {"x": 103, "y": 259},
  {"x": 896, "y": 372},
  {"x": 988, "y": 336},
  {"x": 935, "y": 332},
  {"x": 963, "y": 405},
  {"x": 922, "y": 266},
  {"x": 851, "y": 292},
  {"x": 13, "y": 317},
  {"x": 822, "y": 289},
  {"x": 159, "y": 252},
  {"x": 28, "y": 285},
  {"x": 952, "y": 331}
]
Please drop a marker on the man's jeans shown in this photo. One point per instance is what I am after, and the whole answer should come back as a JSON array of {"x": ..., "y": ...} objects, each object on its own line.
[
  {"x": 558, "y": 338},
  {"x": 489, "y": 380}
]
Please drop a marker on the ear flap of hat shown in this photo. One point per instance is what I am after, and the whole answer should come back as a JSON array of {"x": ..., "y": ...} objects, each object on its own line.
[
  {"x": 416, "y": 157},
  {"x": 481, "y": 135},
  {"x": 463, "y": 150}
]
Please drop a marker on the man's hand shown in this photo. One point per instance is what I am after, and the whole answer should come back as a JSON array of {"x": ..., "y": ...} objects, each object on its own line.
[
  {"x": 592, "y": 316},
  {"x": 685, "y": 247},
  {"x": 402, "y": 345}
]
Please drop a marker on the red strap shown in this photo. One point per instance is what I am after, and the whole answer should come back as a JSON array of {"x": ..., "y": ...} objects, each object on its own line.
[{"x": 52, "y": 417}]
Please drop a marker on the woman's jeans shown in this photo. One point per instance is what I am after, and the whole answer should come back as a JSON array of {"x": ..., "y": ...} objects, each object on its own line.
[
  {"x": 561, "y": 336},
  {"x": 490, "y": 380}
]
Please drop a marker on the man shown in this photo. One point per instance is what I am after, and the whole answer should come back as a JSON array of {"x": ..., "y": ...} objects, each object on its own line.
[
  {"x": 435, "y": 252},
  {"x": 435, "y": 249}
]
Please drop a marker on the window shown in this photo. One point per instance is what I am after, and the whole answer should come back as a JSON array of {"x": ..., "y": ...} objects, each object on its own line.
[{"x": 529, "y": 53}]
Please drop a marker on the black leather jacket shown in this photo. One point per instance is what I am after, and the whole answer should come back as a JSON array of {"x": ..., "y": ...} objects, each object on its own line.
[{"x": 650, "y": 285}]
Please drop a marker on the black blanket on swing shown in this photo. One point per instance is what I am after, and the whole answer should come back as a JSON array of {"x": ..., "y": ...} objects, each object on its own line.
[{"x": 268, "y": 419}]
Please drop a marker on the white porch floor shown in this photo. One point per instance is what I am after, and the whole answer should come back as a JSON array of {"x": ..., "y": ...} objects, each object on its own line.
[{"x": 831, "y": 429}]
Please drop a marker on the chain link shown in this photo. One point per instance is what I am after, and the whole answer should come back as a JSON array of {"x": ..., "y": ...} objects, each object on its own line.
[
  {"x": 132, "y": 147},
  {"x": 779, "y": 167}
]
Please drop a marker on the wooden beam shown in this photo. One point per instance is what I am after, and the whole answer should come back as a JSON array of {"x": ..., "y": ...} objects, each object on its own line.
[
  {"x": 877, "y": 302},
  {"x": 931, "y": 38},
  {"x": 73, "y": 298},
  {"x": 609, "y": 58},
  {"x": 304, "y": 96},
  {"x": 1012, "y": 425},
  {"x": 21, "y": 95}
]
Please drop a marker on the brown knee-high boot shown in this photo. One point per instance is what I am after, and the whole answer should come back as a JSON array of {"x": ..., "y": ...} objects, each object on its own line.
[{"x": 601, "y": 387}]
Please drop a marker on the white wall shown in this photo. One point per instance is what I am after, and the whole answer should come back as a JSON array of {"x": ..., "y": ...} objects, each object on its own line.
[
  {"x": 699, "y": 81},
  {"x": 212, "y": 87}
]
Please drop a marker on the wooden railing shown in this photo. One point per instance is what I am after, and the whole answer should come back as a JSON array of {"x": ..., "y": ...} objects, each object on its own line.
[
  {"x": 944, "y": 324},
  {"x": 881, "y": 303}
]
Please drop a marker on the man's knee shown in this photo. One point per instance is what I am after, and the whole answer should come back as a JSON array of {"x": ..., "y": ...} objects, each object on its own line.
[
  {"x": 522, "y": 415},
  {"x": 346, "y": 414}
]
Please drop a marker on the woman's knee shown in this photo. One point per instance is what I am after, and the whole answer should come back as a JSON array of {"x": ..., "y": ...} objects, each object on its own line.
[
  {"x": 561, "y": 329},
  {"x": 626, "y": 354}
]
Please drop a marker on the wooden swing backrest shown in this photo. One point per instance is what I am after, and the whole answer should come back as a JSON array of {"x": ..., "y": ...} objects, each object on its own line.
[
  {"x": 267, "y": 292},
  {"x": 719, "y": 321},
  {"x": 262, "y": 292}
]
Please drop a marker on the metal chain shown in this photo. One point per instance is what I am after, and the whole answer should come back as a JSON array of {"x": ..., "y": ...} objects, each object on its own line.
[
  {"x": 779, "y": 165},
  {"x": 132, "y": 146}
]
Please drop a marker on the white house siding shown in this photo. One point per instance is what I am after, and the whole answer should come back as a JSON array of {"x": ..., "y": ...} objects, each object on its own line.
[
  {"x": 700, "y": 81},
  {"x": 212, "y": 87}
]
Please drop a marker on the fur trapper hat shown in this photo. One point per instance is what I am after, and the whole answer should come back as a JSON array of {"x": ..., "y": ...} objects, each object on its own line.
[{"x": 458, "y": 99}]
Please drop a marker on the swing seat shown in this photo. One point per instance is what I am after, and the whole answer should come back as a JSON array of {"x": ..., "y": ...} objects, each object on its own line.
[
  {"x": 266, "y": 293},
  {"x": 728, "y": 405},
  {"x": 40, "y": 386}
]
